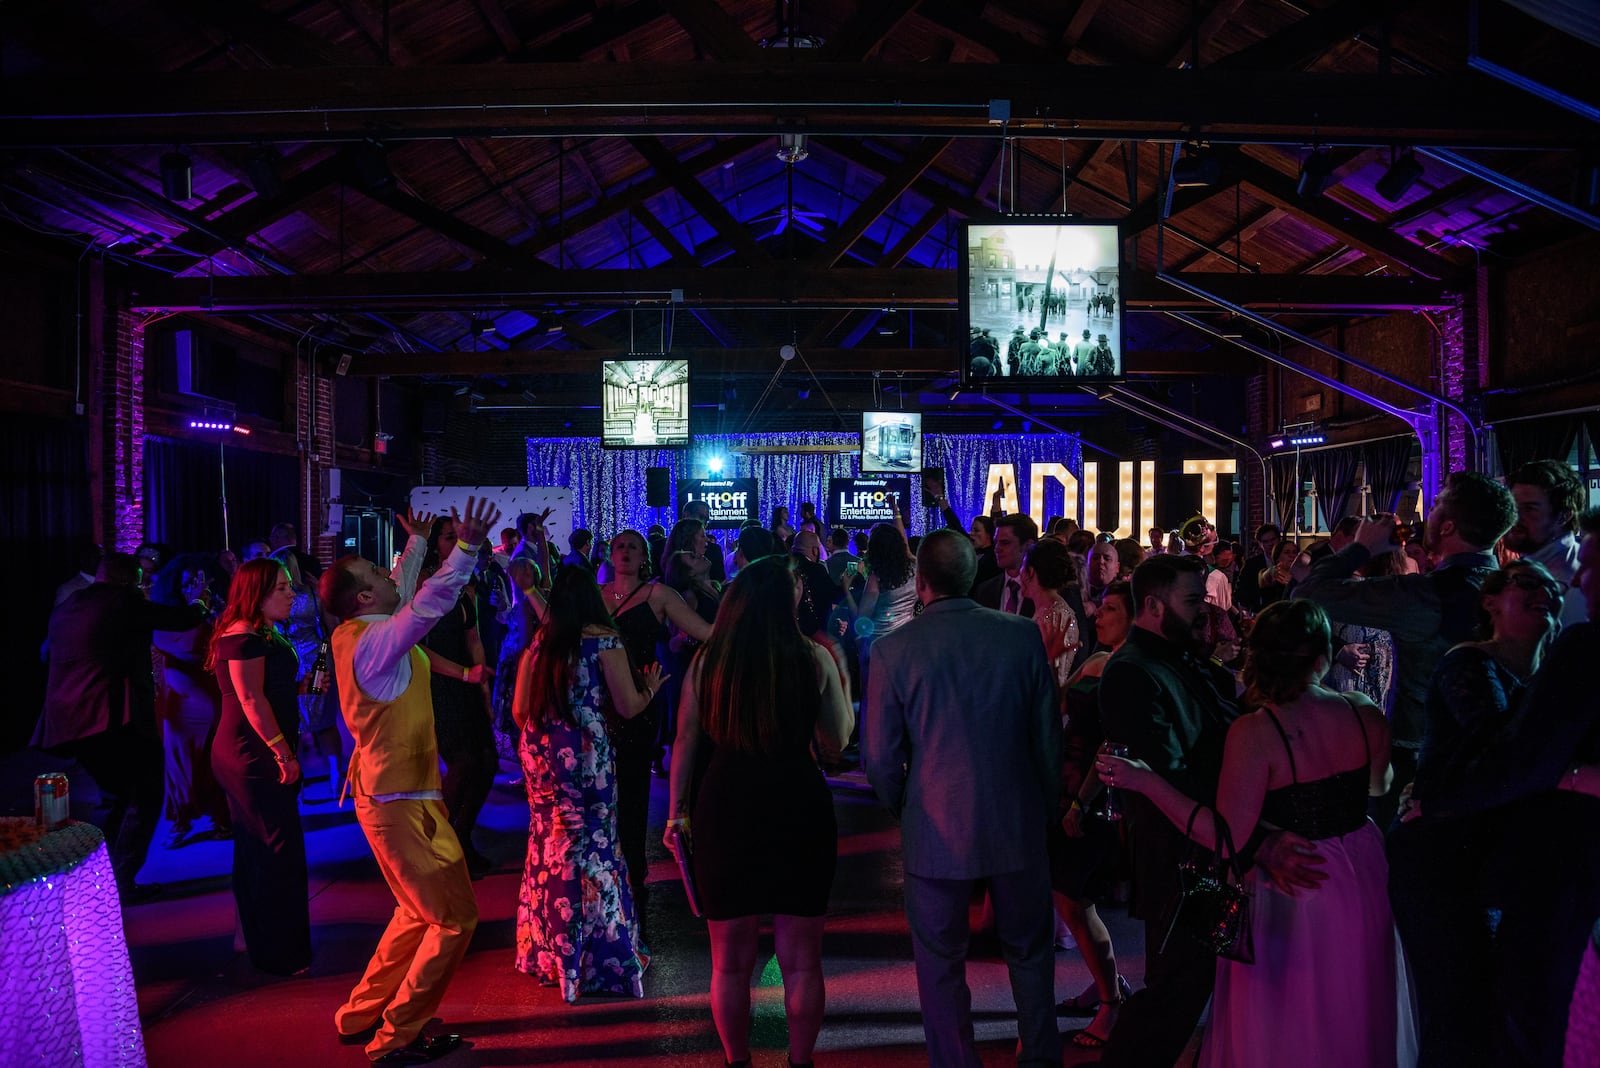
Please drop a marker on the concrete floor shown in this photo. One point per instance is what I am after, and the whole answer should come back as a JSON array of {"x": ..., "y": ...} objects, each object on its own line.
[{"x": 204, "y": 1005}]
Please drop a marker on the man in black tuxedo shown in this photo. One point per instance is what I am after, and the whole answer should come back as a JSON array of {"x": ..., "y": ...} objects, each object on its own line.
[
  {"x": 1014, "y": 535},
  {"x": 100, "y": 706}
]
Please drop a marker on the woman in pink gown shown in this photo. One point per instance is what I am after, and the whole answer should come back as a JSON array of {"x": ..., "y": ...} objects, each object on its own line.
[{"x": 1329, "y": 983}]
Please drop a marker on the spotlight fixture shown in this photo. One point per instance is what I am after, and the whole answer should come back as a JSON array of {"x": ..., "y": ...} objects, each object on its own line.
[
  {"x": 261, "y": 169},
  {"x": 1197, "y": 168},
  {"x": 1297, "y": 436},
  {"x": 1307, "y": 439},
  {"x": 222, "y": 425},
  {"x": 1277, "y": 443},
  {"x": 714, "y": 465},
  {"x": 177, "y": 177},
  {"x": 792, "y": 148},
  {"x": 1402, "y": 174},
  {"x": 1316, "y": 173},
  {"x": 787, "y": 353}
]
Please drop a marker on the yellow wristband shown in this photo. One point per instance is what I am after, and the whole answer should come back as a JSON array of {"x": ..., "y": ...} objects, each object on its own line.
[{"x": 274, "y": 740}]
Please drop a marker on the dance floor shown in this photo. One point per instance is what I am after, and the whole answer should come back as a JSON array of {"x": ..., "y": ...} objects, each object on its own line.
[{"x": 204, "y": 1005}]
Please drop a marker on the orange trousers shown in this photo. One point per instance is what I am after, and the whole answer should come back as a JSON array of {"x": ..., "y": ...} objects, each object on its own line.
[{"x": 434, "y": 916}]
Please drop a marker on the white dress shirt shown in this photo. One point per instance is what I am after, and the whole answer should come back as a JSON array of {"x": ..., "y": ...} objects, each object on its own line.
[{"x": 383, "y": 653}]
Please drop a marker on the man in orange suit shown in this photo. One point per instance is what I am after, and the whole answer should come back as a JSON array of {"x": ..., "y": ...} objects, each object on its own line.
[{"x": 394, "y": 776}]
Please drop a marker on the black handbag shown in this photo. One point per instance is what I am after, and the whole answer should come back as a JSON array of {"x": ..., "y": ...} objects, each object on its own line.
[{"x": 1213, "y": 904}]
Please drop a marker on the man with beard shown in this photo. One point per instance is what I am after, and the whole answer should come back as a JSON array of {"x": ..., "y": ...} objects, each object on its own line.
[
  {"x": 1426, "y": 614},
  {"x": 1172, "y": 710},
  {"x": 1549, "y": 498}
]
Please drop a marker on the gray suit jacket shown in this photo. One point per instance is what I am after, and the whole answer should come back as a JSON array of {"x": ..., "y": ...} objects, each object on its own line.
[{"x": 962, "y": 739}]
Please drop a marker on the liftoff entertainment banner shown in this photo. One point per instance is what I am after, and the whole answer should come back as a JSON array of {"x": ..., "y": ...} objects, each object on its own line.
[
  {"x": 861, "y": 502},
  {"x": 731, "y": 500}
]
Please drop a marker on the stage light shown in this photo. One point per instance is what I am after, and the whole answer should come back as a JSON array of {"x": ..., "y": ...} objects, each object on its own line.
[
  {"x": 214, "y": 424},
  {"x": 714, "y": 465},
  {"x": 792, "y": 148},
  {"x": 1277, "y": 443},
  {"x": 1307, "y": 439},
  {"x": 1399, "y": 178},
  {"x": 1197, "y": 168},
  {"x": 1316, "y": 173},
  {"x": 177, "y": 177}
]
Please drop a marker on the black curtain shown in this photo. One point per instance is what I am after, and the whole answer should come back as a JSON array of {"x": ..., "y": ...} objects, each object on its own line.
[
  {"x": 1387, "y": 463},
  {"x": 1285, "y": 490},
  {"x": 1334, "y": 473},
  {"x": 1527, "y": 440},
  {"x": 46, "y": 515},
  {"x": 183, "y": 493}
]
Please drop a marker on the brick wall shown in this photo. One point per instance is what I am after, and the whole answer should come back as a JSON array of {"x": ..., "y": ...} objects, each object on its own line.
[
  {"x": 1458, "y": 373},
  {"x": 121, "y": 437},
  {"x": 314, "y": 414},
  {"x": 1259, "y": 414}
]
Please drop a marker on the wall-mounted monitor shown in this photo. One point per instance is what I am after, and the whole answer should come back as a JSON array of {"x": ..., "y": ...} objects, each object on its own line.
[
  {"x": 644, "y": 402},
  {"x": 1041, "y": 302},
  {"x": 891, "y": 442}
]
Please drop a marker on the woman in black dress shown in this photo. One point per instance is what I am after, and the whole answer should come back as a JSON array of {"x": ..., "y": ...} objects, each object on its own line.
[
  {"x": 461, "y": 722},
  {"x": 764, "y": 837},
  {"x": 640, "y": 609},
  {"x": 253, "y": 759}
]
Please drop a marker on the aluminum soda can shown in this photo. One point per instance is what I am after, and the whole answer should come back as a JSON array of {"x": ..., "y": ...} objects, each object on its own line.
[{"x": 50, "y": 800}]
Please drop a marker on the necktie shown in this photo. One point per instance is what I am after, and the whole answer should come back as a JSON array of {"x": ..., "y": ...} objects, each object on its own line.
[{"x": 1012, "y": 589}]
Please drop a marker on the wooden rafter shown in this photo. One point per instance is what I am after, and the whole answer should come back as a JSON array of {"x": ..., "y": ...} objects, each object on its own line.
[
  {"x": 894, "y": 184},
  {"x": 688, "y": 186}
]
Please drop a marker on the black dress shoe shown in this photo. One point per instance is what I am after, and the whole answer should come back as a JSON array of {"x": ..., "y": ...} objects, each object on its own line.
[{"x": 423, "y": 1050}]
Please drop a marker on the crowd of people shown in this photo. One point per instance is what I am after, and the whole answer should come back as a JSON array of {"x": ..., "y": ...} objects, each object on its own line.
[{"x": 1384, "y": 732}]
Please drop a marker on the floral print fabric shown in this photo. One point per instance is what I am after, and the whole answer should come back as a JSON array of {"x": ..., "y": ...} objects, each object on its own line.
[{"x": 576, "y": 925}]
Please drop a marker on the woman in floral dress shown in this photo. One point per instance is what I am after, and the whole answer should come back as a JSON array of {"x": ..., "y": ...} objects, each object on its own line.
[{"x": 576, "y": 923}]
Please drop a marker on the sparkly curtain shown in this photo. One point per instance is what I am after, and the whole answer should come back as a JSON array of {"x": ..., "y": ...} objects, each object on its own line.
[{"x": 608, "y": 484}]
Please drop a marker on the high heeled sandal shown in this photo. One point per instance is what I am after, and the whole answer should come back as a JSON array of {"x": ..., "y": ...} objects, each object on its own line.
[
  {"x": 1087, "y": 1003},
  {"x": 1087, "y": 1039}
]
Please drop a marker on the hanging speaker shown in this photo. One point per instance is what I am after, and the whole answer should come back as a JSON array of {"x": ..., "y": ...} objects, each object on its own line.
[{"x": 658, "y": 487}]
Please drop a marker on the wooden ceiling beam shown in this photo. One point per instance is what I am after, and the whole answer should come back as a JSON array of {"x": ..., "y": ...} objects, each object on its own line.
[
  {"x": 715, "y": 362},
  {"x": 687, "y": 183},
  {"x": 894, "y": 185},
  {"x": 785, "y": 285},
  {"x": 866, "y": 30},
  {"x": 1339, "y": 221},
  {"x": 503, "y": 99},
  {"x": 1303, "y": 41},
  {"x": 495, "y": 18},
  {"x": 714, "y": 31}
]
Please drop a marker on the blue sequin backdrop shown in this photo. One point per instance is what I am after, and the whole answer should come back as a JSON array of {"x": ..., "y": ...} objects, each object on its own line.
[{"x": 608, "y": 484}]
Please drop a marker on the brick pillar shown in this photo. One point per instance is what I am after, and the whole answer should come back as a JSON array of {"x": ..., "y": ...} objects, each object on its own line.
[
  {"x": 1250, "y": 481},
  {"x": 1457, "y": 374},
  {"x": 314, "y": 423},
  {"x": 121, "y": 436}
]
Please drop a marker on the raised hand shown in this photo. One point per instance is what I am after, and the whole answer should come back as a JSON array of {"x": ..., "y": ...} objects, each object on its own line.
[
  {"x": 1377, "y": 535},
  {"x": 416, "y": 524},
  {"x": 472, "y": 528}
]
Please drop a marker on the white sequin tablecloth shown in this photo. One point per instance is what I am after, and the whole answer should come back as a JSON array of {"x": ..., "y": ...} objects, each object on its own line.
[{"x": 66, "y": 988}]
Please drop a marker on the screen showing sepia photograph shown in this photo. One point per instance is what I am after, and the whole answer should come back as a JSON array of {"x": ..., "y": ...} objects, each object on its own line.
[
  {"x": 644, "y": 403},
  {"x": 891, "y": 442},
  {"x": 1042, "y": 302}
]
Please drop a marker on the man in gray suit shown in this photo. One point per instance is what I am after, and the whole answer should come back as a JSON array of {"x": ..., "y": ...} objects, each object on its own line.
[{"x": 966, "y": 752}]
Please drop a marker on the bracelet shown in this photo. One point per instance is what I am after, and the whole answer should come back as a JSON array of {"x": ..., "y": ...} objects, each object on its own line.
[
  {"x": 283, "y": 760},
  {"x": 681, "y": 821},
  {"x": 275, "y": 739},
  {"x": 1076, "y": 806}
]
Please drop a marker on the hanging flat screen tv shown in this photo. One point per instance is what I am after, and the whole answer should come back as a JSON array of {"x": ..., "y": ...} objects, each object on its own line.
[
  {"x": 891, "y": 442},
  {"x": 644, "y": 403},
  {"x": 1041, "y": 302}
]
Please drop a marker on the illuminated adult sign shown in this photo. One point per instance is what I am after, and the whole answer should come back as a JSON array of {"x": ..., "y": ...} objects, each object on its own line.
[
  {"x": 1136, "y": 488},
  {"x": 861, "y": 502},
  {"x": 731, "y": 500}
]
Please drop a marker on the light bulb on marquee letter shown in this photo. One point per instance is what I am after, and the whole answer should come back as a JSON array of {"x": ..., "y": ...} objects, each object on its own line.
[
  {"x": 1009, "y": 504},
  {"x": 1147, "y": 495},
  {"x": 1208, "y": 470},
  {"x": 1091, "y": 498},
  {"x": 1069, "y": 485}
]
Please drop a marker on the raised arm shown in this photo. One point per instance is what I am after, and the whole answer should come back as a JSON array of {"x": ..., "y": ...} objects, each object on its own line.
[
  {"x": 416, "y": 525},
  {"x": 387, "y": 641},
  {"x": 670, "y": 603}
]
